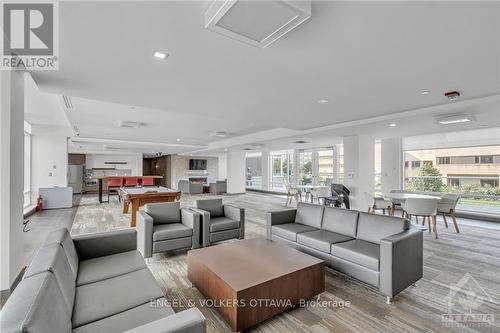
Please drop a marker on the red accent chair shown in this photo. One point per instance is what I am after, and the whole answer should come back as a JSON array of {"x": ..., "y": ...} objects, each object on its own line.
[
  {"x": 130, "y": 181},
  {"x": 148, "y": 181},
  {"x": 114, "y": 183}
]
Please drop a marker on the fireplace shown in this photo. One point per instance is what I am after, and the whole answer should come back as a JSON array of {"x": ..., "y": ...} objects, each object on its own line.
[{"x": 199, "y": 180}]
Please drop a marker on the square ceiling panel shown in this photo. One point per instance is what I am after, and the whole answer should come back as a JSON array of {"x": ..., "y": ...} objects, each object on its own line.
[{"x": 258, "y": 23}]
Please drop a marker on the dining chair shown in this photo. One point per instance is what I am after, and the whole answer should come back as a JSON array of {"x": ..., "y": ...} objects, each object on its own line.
[
  {"x": 114, "y": 184},
  {"x": 320, "y": 193},
  {"x": 446, "y": 206},
  {"x": 397, "y": 202},
  {"x": 425, "y": 208},
  {"x": 291, "y": 192},
  {"x": 377, "y": 203}
]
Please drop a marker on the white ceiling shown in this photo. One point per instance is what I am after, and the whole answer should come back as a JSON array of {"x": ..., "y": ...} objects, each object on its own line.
[{"x": 371, "y": 60}]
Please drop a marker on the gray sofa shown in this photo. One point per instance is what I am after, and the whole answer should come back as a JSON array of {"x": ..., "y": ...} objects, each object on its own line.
[
  {"x": 382, "y": 251},
  {"x": 218, "y": 187},
  {"x": 92, "y": 283},
  {"x": 219, "y": 222},
  {"x": 186, "y": 186},
  {"x": 165, "y": 226}
]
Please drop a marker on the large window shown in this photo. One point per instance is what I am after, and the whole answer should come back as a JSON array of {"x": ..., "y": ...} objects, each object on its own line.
[
  {"x": 254, "y": 171},
  {"x": 474, "y": 172},
  {"x": 281, "y": 170},
  {"x": 305, "y": 167}
]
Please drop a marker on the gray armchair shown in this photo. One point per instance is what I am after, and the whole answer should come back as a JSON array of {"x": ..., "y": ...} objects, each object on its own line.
[
  {"x": 165, "y": 226},
  {"x": 218, "y": 187},
  {"x": 186, "y": 186},
  {"x": 219, "y": 222}
]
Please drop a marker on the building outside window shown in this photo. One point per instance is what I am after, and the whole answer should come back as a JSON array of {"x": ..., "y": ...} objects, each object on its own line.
[
  {"x": 254, "y": 171},
  {"x": 474, "y": 172},
  {"x": 281, "y": 170}
]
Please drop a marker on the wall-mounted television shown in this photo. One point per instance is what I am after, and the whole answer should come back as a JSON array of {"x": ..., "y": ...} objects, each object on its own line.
[{"x": 197, "y": 164}]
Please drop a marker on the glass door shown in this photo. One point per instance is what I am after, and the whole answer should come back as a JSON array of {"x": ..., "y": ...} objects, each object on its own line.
[{"x": 281, "y": 170}]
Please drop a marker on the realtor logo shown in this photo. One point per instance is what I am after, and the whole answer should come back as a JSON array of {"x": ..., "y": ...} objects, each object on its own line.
[
  {"x": 29, "y": 38},
  {"x": 467, "y": 304}
]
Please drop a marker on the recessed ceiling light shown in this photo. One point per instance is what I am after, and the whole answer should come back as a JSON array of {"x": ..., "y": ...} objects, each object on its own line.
[
  {"x": 392, "y": 125},
  {"x": 322, "y": 101},
  {"x": 449, "y": 120},
  {"x": 225, "y": 149},
  {"x": 178, "y": 140},
  {"x": 160, "y": 55},
  {"x": 425, "y": 92}
]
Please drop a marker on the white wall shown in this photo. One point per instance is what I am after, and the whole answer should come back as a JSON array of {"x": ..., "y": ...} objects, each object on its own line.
[
  {"x": 180, "y": 169},
  {"x": 11, "y": 175},
  {"x": 222, "y": 163},
  {"x": 236, "y": 172},
  {"x": 391, "y": 164},
  {"x": 49, "y": 161},
  {"x": 134, "y": 162},
  {"x": 359, "y": 168}
]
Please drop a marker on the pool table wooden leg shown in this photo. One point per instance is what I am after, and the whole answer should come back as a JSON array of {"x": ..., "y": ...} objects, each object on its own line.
[
  {"x": 135, "y": 208},
  {"x": 125, "y": 206}
]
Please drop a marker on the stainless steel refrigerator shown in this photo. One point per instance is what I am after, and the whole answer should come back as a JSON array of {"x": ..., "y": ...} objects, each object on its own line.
[{"x": 75, "y": 178}]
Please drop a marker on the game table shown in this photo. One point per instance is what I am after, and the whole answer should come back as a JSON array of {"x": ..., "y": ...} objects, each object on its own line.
[{"x": 139, "y": 196}]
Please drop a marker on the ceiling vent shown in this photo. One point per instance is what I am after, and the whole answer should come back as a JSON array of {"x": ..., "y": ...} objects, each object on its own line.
[
  {"x": 68, "y": 104},
  {"x": 300, "y": 141},
  {"x": 247, "y": 149},
  {"x": 258, "y": 23},
  {"x": 108, "y": 147},
  {"x": 129, "y": 124},
  {"x": 220, "y": 134},
  {"x": 454, "y": 119}
]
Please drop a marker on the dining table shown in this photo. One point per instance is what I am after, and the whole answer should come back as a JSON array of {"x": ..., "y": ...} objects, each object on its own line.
[
  {"x": 397, "y": 198},
  {"x": 307, "y": 189}
]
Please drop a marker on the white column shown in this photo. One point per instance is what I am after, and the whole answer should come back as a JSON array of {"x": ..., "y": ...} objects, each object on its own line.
[
  {"x": 359, "y": 165},
  {"x": 236, "y": 172},
  {"x": 391, "y": 156},
  {"x": 265, "y": 170},
  {"x": 222, "y": 174},
  {"x": 11, "y": 176},
  {"x": 296, "y": 168}
]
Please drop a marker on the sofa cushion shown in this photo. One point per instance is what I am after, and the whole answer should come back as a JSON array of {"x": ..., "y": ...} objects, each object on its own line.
[
  {"x": 359, "y": 252},
  {"x": 213, "y": 206},
  {"x": 101, "y": 268},
  {"x": 373, "y": 228},
  {"x": 170, "y": 231},
  {"x": 341, "y": 221},
  {"x": 321, "y": 239},
  {"x": 223, "y": 223},
  {"x": 98, "y": 300},
  {"x": 164, "y": 212},
  {"x": 51, "y": 258},
  {"x": 290, "y": 230},
  {"x": 309, "y": 214},
  {"x": 36, "y": 305},
  {"x": 129, "y": 319},
  {"x": 62, "y": 236}
]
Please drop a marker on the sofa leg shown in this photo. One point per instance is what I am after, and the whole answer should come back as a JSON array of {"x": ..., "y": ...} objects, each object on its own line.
[
  {"x": 388, "y": 300},
  {"x": 415, "y": 285}
]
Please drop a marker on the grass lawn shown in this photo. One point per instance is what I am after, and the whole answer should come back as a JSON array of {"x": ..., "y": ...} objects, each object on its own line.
[{"x": 479, "y": 202}]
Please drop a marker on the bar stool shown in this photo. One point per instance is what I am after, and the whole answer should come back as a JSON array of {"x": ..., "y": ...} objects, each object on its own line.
[
  {"x": 426, "y": 208},
  {"x": 148, "y": 181},
  {"x": 130, "y": 182},
  {"x": 114, "y": 184}
]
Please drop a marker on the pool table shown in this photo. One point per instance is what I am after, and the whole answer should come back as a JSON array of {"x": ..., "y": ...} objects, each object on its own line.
[{"x": 139, "y": 196}]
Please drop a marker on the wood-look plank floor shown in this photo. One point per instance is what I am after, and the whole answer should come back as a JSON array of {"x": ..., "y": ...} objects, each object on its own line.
[{"x": 475, "y": 251}]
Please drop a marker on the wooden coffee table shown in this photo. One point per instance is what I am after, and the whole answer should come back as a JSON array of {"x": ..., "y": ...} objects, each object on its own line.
[{"x": 252, "y": 280}]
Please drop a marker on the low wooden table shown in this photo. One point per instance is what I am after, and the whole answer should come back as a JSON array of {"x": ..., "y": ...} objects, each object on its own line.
[
  {"x": 139, "y": 196},
  {"x": 252, "y": 280}
]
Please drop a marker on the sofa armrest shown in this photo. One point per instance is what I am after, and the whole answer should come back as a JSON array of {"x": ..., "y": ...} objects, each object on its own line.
[
  {"x": 401, "y": 261},
  {"x": 237, "y": 214},
  {"x": 279, "y": 217},
  {"x": 144, "y": 228},
  {"x": 204, "y": 225},
  {"x": 191, "y": 219},
  {"x": 105, "y": 243},
  {"x": 187, "y": 321}
]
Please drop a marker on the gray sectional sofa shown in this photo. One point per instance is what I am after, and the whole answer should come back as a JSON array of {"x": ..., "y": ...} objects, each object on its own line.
[
  {"x": 92, "y": 283},
  {"x": 382, "y": 251}
]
